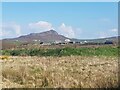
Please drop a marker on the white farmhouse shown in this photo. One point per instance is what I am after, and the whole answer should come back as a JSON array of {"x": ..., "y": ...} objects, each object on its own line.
[{"x": 67, "y": 40}]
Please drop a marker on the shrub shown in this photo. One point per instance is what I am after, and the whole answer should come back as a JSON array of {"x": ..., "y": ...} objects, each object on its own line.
[{"x": 100, "y": 51}]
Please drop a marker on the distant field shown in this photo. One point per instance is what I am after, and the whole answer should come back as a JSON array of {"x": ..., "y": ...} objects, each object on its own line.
[
  {"x": 83, "y": 51},
  {"x": 60, "y": 72}
]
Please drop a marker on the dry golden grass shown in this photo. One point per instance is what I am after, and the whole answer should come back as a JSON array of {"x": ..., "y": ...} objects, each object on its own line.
[
  {"x": 60, "y": 72},
  {"x": 4, "y": 57}
]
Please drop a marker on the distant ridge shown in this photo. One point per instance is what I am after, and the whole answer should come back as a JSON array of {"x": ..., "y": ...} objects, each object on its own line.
[{"x": 48, "y": 36}]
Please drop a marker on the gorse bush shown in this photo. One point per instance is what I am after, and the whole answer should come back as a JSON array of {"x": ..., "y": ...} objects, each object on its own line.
[{"x": 104, "y": 51}]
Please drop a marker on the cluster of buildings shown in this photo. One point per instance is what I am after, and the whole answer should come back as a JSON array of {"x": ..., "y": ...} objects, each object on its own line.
[
  {"x": 58, "y": 42},
  {"x": 68, "y": 41}
]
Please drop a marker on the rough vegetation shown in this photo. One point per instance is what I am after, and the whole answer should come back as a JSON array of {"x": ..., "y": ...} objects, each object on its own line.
[
  {"x": 60, "y": 72},
  {"x": 84, "y": 67},
  {"x": 84, "y": 51}
]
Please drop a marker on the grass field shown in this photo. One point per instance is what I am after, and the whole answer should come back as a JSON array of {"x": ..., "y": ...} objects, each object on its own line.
[
  {"x": 84, "y": 67},
  {"x": 83, "y": 51},
  {"x": 60, "y": 72}
]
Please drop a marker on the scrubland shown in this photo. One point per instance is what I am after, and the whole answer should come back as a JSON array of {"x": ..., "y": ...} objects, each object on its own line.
[{"x": 71, "y": 71}]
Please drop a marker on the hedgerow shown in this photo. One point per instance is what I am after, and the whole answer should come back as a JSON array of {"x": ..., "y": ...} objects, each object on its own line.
[{"x": 100, "y": 51}]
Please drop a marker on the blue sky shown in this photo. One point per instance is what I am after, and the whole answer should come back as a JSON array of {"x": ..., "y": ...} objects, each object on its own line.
[{"x": 83, "y": 20}]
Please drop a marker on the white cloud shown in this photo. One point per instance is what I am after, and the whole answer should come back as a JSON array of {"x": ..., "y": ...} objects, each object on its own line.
[
  {"x": 45, "y": 26},
  {"x": 78, "y": 32},
  {"x": 17, "y": 29},
  {"x": 67, "y": 30},
  {"x": 106, "y": 20},
  {"x": 41, "y": 25},
  {"x": 10, "y": 30},
  {"x": 114, "y": 30},
  {"x": 103, "y": 35},
  {"x": 108, "y": 33}
]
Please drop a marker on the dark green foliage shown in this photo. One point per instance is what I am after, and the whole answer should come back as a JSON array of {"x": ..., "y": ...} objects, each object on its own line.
[{"x": 100, "y": 51}]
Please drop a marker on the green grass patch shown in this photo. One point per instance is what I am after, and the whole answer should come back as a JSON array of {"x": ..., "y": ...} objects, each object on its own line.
[{"x": 100, "y": 51}]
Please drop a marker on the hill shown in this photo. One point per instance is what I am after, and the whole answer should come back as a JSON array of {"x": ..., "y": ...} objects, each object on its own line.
[{"x": 47, "y": 37}]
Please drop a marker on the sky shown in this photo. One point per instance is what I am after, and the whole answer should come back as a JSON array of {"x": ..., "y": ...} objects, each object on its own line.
[
  {"x": 60, "y": 0},
  {"x": 82, "y": 20}
]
